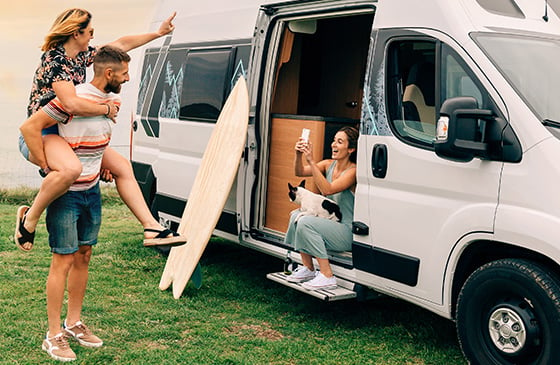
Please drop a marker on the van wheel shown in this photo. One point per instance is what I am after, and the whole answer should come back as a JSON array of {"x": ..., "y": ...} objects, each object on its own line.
[{"x": 508, "y": 312}]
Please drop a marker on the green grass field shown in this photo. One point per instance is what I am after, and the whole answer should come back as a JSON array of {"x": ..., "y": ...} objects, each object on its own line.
[{"x": 237, "y": 317}]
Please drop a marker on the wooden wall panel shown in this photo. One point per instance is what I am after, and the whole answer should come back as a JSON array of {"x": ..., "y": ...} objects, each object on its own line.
[{"x": 285, "y": 132}]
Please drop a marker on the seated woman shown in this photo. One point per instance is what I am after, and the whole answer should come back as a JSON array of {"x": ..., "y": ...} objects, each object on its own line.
[{"x": 313, "y": 236}]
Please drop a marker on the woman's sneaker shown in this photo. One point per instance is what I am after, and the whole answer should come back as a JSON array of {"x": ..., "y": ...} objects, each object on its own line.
[
  {"x": 320, "y": 282},
  {"x": 58, "y": 348},
  {"x": 301, "y": 274},
  {"x": 83, "y": 335}
]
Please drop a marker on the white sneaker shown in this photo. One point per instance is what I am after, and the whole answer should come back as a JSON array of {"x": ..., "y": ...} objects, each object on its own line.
[
  {"x": 320, "y": 282},
  {"x": 301, "y": 274}
]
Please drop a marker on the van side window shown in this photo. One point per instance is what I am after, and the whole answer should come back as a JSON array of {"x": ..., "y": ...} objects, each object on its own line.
[
  {"x": 205, "y": 84},
  {"x": 456, "y": 79},
  {"x": 411, "y": 91}
]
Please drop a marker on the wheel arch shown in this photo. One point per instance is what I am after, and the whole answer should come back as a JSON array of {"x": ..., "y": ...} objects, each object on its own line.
[{"x": 481, "y": 252}]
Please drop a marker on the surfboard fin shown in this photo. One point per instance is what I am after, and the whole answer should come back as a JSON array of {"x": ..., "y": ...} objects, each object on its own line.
[{"x": 196, "y": 277}]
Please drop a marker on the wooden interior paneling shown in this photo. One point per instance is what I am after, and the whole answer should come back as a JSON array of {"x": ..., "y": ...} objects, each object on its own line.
[{"x": 285, "y": 132}]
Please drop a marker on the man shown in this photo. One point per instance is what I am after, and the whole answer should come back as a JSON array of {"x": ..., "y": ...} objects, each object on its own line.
[{"x": 73, "y": 220}]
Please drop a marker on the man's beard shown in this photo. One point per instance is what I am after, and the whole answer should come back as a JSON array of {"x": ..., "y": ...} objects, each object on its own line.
[{"x": 113, "y": 87}]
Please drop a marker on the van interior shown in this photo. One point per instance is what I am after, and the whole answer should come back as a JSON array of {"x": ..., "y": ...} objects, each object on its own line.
[{"x": 318, "y": 85}]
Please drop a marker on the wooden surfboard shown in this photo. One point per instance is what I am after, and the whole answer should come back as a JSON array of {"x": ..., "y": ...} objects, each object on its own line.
[{"x": 210, "y": 190}]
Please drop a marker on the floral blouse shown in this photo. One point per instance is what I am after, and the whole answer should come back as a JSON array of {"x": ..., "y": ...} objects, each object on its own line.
[{"x": 57, "y": 66}]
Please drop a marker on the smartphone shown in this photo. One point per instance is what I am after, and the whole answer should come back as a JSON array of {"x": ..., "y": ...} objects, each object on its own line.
[{"x": 305, "y": 134}]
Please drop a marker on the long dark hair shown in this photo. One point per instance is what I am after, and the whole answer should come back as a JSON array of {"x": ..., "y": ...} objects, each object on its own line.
[{"x": 352, "y": 134}]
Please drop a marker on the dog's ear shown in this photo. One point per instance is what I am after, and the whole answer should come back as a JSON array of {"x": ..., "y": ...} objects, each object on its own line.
[
  {"x": 290, "y": 186},
  {"x": 302, "y": 183}
]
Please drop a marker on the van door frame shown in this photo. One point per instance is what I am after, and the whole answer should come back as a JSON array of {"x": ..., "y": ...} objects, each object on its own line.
[{"x": 267, "y": 37}]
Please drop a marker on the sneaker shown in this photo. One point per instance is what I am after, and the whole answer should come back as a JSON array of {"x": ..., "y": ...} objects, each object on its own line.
[
  {"x": 83, "y": 335},
  {"x": 320, "y": 282},
  {"x": 300, "y": 274},
  {"x": 58, "y": 348}
]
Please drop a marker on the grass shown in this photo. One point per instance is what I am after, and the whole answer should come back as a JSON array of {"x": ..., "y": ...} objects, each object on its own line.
[{"x": 237, "y": 317}]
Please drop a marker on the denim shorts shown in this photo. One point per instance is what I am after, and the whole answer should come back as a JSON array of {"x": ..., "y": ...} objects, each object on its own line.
[
  {"x": 74, "y": 220},
  {"x": 23, "y": 146}
]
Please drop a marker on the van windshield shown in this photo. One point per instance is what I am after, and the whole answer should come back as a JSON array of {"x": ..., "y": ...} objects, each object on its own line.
[{"x": 530, "y": 64}]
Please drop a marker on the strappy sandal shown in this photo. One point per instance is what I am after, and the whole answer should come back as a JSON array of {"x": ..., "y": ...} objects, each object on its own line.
[
  {"x": 163, "y": 239},
  {"x": 25, "y": 235}
]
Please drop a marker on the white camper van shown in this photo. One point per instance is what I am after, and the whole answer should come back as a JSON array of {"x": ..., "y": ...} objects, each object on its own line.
[{"x": 457, "y": 206}]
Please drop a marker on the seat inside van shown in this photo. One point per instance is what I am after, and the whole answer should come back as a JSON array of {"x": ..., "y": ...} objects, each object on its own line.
[{"x": 419, "y": 95}]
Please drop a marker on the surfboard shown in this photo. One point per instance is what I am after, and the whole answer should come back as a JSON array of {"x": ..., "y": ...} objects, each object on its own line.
[{"x": 210, "y": 189}]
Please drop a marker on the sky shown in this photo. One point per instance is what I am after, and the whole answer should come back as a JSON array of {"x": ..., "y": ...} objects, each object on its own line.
[{"x": 23, "y": 26}]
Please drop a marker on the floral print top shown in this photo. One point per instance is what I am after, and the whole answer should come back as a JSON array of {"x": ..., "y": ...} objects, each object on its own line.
[{"x": 57, "y": 66}]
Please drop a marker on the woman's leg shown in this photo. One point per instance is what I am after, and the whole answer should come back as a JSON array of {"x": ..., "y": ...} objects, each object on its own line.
[
  {"x": 325, "y": 267},
  {"x": 307, "y": 260},
  {"x": 315, "y": 235},
  {"x": 128, "y": 189},
  {"x": 65, "y": 169}
]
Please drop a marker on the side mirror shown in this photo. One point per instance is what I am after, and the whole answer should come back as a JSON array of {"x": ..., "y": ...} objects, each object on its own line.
[{"x": 459, "y": 133}]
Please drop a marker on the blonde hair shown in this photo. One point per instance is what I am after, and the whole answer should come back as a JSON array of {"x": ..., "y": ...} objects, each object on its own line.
[{"x": 66, "y": 24}]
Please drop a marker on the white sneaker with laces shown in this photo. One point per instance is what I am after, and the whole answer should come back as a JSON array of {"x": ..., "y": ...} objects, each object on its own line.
[
  {"x": 320, "y": 282},
  {"x": 301, "y": 274}
]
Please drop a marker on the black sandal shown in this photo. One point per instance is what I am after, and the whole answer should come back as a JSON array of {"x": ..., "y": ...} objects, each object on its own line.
[
  {"x": 162, "y": 239},
  {"x": 26, "y": 236}
]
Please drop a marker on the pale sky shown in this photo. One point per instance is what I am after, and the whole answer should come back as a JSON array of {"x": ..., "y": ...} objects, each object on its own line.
[{"x": 23, "y": 26}]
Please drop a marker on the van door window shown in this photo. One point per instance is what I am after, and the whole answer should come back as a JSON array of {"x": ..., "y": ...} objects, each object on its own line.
[
  {"x": 457, "y": 80},
  {"x": 411, "y": 90},
  {"x": 415, "y": 91},
  {"x": 205, "y": 82}
]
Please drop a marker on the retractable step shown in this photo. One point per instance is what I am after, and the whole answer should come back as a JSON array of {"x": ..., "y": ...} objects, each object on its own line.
[{"x": 339, "y": 293}]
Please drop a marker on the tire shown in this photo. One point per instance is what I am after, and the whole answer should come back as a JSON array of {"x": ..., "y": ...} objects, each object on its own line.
[{"x": 508, "y": 312}]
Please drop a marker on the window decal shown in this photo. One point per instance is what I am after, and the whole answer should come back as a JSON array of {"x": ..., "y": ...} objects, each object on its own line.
[
  {"x": 374, "y": 116},
  {"x": 239, "y": 71},
  {"x": 169, "y": 108},
  {"x": 143, "y": 88}
]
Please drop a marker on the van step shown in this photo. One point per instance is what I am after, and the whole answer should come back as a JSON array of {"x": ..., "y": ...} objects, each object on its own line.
[{"x": 339, "y": 293}]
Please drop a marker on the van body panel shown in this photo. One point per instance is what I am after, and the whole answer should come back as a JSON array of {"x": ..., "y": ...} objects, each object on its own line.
[
  {"x": 529, "y": 214},
  {"x": 427, "y": 221}
]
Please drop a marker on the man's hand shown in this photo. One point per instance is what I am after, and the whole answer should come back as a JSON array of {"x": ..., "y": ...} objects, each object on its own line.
[
  {"x": 105, "y": 175},
  {"x": 112, "y": 111}
]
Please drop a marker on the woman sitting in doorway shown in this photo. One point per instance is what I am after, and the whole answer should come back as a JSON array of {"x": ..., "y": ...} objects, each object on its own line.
[{"x": 313, "y": 236}]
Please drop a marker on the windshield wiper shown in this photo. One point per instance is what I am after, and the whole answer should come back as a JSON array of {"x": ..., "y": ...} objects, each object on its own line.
[{"x": 551, "y": 123}]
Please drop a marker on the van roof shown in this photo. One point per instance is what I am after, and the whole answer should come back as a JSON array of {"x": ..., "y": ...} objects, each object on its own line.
[
  {"x": 217, "y": 20},
  {"x": 464, "y": 16}
]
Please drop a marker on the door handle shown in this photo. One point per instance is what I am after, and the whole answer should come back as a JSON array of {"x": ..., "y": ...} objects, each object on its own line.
[{"x": 379, "y": 161}]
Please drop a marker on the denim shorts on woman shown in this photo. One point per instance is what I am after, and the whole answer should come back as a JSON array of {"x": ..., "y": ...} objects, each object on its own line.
[
  {"x": 74, "y": 220},
  {"x": 23, "y": 146}
]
